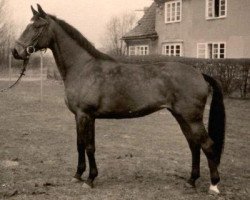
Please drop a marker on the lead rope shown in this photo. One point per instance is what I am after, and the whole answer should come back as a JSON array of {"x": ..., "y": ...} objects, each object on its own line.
[{"x": 25, "y": 63}]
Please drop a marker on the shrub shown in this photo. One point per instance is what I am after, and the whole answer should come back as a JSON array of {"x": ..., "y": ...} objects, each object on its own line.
[{"x": 234, "y": 74}]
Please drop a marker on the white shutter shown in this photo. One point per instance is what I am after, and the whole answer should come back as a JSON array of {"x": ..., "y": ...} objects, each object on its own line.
[{"x": 202, "y": 50}]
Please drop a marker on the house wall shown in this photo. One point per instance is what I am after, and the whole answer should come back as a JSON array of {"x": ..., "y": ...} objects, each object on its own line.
[{"x": 195, "y": 28}]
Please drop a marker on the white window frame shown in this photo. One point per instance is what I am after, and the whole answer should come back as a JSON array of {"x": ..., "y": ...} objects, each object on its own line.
[
  {"x": 139, "y": 50},
  {"x": 130, "y": 49},
  {"x": 172, "y": 46},
  {"x": 203, "y": 50},
  {"x": 169, "y": 16},
  {"x": 210, "y": 7}
]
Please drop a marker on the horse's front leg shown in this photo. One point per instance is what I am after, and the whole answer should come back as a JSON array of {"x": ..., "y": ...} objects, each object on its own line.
[
  {"x": 81, "y": 129},
  {"x": 90, "y": 150}
]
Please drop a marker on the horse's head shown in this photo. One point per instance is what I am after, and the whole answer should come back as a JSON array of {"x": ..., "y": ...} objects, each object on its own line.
[{"x": 36, "y": 36}]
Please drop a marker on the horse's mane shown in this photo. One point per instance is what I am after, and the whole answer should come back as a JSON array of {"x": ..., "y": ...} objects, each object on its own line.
[{"x": 80, "y": 39}]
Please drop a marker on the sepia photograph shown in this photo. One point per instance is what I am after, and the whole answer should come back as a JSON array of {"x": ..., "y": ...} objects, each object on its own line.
[{"x": 124, "y": 100}]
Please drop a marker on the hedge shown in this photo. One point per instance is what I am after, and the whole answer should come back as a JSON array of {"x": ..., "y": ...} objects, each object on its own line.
[{"x": 234, "y": 74}]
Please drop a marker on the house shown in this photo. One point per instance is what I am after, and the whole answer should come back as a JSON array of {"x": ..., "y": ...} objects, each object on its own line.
[{"x": 193, "y": 28}]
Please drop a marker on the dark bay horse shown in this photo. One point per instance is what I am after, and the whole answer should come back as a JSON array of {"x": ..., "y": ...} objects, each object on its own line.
[{"x": 97, "y": 86}]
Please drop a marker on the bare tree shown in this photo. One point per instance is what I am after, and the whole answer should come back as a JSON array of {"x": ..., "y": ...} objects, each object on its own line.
[
  {"x": 6, "y": 31},
  {"x": 115, "y": 29}
]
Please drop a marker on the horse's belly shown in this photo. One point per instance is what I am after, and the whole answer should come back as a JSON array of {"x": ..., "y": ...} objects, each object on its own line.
[
  {"x": 128, "y": 109},
  {"x": 127, "y": 114}
]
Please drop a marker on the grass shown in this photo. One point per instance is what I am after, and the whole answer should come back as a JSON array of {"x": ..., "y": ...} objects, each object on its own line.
[{"x": 144, "y": 158}]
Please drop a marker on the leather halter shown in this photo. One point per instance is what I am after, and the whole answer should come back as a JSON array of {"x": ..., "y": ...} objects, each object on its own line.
[{"x": 31, "y": 48}]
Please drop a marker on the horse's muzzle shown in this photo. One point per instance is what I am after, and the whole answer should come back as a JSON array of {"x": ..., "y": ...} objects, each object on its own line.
[{"x": 17, "y": 56}]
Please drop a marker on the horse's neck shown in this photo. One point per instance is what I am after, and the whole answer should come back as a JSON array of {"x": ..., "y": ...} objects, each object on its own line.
[{"x": 67, "y": 52}]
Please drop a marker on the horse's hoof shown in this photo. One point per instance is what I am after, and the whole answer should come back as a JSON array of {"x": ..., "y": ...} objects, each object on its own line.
[
  {"x": 76, "y": 180},
  {"x": 88, "y": 184},
  {"x": 190, "y": 183},
  {"x": 213, "y": 189}
]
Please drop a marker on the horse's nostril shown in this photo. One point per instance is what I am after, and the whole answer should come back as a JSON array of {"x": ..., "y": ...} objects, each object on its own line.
[{"x": 14, "y": 52}]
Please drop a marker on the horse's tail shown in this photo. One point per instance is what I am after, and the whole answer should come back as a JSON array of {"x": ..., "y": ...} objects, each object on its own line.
[{"x": 217, "y": 118}]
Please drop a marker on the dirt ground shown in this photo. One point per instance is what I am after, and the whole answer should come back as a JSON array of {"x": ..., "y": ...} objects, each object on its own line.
[{"x": 144, "y": 158}]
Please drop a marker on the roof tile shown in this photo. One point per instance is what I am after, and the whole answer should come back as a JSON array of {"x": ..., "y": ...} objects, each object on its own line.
[{"x": 146, "y": 25}]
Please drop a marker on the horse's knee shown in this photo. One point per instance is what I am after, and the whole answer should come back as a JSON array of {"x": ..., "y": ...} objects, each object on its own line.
[
  {"x": 90, "y": 149},
  {"x": 207, "y": 147}
]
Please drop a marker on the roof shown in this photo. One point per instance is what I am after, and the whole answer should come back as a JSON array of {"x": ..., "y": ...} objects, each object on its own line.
[{"x": 145, "y": 27}]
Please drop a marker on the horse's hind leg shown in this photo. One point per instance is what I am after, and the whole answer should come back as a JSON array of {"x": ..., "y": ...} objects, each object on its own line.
[
  {"x": 194, "y": 147},
  {"x": 201, "y": 137},
  {"x": 197, "y": 137},
  {"x": 207, "y": 147},
  {"x": 195, "y": 173}
]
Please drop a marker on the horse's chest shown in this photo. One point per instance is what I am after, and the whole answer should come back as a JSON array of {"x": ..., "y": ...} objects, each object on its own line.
[{"x": 81, "y": 99}]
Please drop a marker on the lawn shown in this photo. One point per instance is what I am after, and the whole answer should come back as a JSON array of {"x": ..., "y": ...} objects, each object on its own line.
[{"x": 143, "y": 158}]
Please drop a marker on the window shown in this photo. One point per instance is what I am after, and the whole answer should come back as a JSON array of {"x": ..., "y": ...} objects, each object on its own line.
[
  {"x": 138, "y": 50},
  {"x": 173, "y": 11},
  {"x": 216, "y": 9},
  {"x": 132, "y": 50},
  {"x": 172, "y": 49},
  {"x": 211, "y": 50}
]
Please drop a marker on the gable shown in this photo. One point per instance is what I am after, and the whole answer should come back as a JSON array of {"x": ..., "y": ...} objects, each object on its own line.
[{"x": 145, "y": 27}]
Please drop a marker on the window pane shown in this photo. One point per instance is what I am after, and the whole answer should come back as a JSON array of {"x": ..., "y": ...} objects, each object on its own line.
[
  {"x": 210, "y": 47},
  {"x": 216, "y": 7},
  {"x": 173, "y": 12},
  {"x": 210, "y": 8},
  {"x": 131, "y": 50},
  {"x": 177, "y": 53},
  {"x": 167, "y": 50},
  {"x": 172, "y": 50},
  {"x": 168, "y": 12}
]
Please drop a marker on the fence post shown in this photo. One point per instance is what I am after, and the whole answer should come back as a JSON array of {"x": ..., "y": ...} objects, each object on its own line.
[
  {"x": 10, "y": 69},
  {"x": 41, "y": 76}
]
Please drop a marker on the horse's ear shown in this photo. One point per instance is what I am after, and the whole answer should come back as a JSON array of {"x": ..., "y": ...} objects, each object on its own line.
[
  {"x": 41, "y": 11},
  {"x": 35, "y": 13}
]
